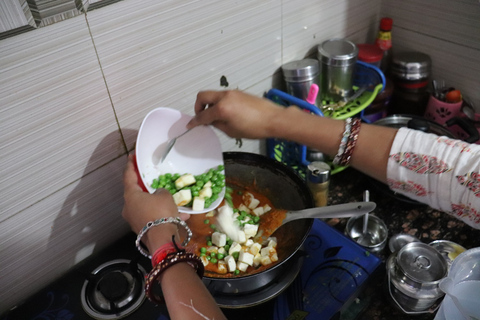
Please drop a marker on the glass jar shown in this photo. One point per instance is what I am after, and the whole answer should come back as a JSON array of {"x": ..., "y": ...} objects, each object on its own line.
[{"x": 318, "y": 180}]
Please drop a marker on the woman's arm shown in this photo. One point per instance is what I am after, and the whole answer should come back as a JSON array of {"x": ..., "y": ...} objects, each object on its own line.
[
  {"x": 185, "y": 295},
  {"x": 241, "y": 115}
]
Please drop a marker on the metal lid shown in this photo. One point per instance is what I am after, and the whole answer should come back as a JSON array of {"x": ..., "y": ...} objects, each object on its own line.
[
  {"x": 448, "y": 249},
  {"x": 398, "y": 241},
  {"x": 318, "y": 172},
  {"x": 411, "y": 65},
  {"x": 369, "y": 53},
  {"x": 301, "y": 70},
  {"x": 421, "y": 262},
  {"x": 338, "y": 52}
]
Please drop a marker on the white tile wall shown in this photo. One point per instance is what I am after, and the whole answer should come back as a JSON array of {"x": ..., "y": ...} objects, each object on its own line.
[{"x": 63, "y": 98}]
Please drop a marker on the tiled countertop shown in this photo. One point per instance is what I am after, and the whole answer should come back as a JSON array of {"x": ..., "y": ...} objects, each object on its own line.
[{"x": 400, "y": 216}]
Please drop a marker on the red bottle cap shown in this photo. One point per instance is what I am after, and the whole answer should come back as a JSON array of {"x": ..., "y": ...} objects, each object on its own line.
[
  {"x": 369, "y": 53},
  {"x": 386, "y": 24}
]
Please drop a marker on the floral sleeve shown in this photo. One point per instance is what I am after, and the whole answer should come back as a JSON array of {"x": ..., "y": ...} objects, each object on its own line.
[{"x": 439, "y": 171}]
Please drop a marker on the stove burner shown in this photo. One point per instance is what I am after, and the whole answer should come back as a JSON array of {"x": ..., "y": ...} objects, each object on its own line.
[{"x": 114, "y": 289}]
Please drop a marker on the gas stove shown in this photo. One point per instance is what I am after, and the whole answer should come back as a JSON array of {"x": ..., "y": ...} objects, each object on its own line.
[{"x": 319, "y": 282}]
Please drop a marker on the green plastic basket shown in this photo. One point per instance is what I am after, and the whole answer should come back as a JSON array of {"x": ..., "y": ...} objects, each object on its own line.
[{"x": 295, "y": 155}]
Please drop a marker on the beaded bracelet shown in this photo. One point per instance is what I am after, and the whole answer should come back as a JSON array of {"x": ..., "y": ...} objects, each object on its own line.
[
  {"x": 170, "y": 260},
  {"x": 158, "y": 222},
  {"x": 351, "y": 143},
  {"x": 343, "y": 142}
]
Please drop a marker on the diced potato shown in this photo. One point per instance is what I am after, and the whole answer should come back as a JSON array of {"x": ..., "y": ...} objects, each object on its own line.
[
  {"x": 198, "y": 204},
  {"x": 255, "y": 248},
  {"x": 205, "y": 192},
  {"x": 222, "y": 250},
  {"x": 272, "y": 243},
  {"x": 246, "y": 257},
  {"x": 242, "y": 238},
  {"x": 222, "y": 267},
  {"x": 185, "y": 181},
  {"x": 266, "y": 208},
  {"x": 212, "y": 249},
  {"x": 242, "y": 266},
  {"x": 235, "y": 247},
  {"x": 265, "y": 260},
  {"x": 249, "y": 243},
  {"x": 219, "y": 239},
  {"x": 231, "y": 264},
  {"x": 243, "y": 207},
  {"x": 204, "y": 260},
  {"x": 257, "y": 260},
  {"x": 264, "y": 252},
  {"x": 258, "y": 211},
  {"x": 208, "y": 184},
  {"x": 250, "y": 230},
  {"x": 250, "y": 200},
  {"x": 274, "y": 257},
  {"x": 182, "y": 197}
]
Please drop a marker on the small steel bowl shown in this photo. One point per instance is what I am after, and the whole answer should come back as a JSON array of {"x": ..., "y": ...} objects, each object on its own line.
[{"x": 376, "y": 236}]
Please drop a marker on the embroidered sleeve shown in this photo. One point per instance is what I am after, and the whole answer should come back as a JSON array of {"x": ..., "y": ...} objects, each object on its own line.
[{"x": 441, "y": 172}]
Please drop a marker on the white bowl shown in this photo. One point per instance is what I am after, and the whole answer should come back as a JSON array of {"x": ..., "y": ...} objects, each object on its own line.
[{"x": 196, "y": 152}]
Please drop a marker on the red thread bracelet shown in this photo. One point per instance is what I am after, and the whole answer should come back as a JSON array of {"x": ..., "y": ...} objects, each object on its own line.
[{"x": 162, "y": 252}]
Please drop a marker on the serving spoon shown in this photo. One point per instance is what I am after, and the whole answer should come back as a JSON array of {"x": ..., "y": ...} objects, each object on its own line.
[
  {"x": 281, "y": 217},
  {"x": 170, "y": 145}
]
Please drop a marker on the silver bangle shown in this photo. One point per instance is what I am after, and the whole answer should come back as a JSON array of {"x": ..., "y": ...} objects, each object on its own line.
[
  {"x": 158, "y": 222},
  {"x": 343, "y": 142}
]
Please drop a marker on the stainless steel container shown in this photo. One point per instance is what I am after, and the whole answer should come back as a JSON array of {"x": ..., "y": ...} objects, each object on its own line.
[
  {"x": 376, "y": 234},
  {"x": 338, "y": 58},
  {"x": 414, "y": 273},
  {"x": 299, "y": 76}
]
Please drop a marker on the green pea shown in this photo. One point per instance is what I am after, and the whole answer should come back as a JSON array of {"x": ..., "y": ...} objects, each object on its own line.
[
  {"x": 209, "y": 243},
  {"x": 226, "y": 247},
  {"x": 214, "y": 227},
  {"x": 220, "y": 167},
  {"x": 209, "y": 258},
  {"x": 229, "y": 242},
  {"x": 220, "y": 256},
  {"x": 206, "y": 221},
  {"x": 203, "y": 250},
  {"x": 213, "y": 254},
  {"x": 236, "y": 272},
  {"x": 235, "y": 255},
  {"x": 213, "y": 260}
]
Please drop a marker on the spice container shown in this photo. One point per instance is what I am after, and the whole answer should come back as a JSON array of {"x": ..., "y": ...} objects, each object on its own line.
[
  {"x": 318, "y": 180},
  {"x": 299, "y": 76},
  {"x": 338, "y": 58},
  {"x": 410, "y": 72}
]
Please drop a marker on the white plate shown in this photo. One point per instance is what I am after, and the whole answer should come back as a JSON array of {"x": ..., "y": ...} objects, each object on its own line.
[{"x": 196, "y": 152}]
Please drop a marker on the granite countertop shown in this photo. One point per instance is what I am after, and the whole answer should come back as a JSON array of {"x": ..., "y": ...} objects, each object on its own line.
[{"x": 401, "y": 215}]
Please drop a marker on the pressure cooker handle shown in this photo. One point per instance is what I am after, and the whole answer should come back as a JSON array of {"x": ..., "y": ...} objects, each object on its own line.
[
  {"x": 467, "y": 126},
  {"x": 418, "y": 124}
]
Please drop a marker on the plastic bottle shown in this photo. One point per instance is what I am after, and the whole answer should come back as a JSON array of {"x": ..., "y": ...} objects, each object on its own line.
[{"x": 384, "y": 42}]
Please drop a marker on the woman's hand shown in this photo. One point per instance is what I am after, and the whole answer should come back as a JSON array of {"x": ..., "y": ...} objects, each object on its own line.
[
  {"x": 141, "y": 207},
  {"x": 238, "y": 114}
]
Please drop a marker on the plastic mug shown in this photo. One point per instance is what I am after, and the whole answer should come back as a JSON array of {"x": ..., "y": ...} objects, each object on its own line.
[
  {"x": 462, "y": 288},
  {"x": 440, "y": 111}
]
